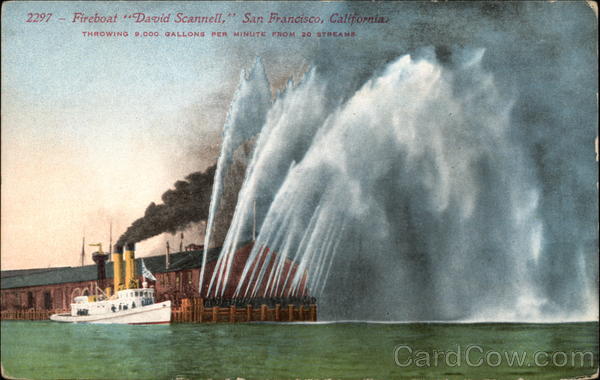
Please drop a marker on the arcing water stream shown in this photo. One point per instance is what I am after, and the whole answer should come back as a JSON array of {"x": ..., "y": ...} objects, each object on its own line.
[
  {"x": 407, "y": 199},
  {"x": 245, "y": 119}
]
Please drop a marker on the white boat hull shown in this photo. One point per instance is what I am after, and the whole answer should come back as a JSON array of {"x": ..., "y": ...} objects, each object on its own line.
[{"x": 157, "y": 313}]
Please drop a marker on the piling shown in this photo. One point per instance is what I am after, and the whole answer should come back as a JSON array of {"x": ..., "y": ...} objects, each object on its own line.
[
  {"x": 263, "y": 312},
  {"x": 232, "y": 311},
  {"x": 200, "y": 310},
  {"x": 186, "y": 309}
]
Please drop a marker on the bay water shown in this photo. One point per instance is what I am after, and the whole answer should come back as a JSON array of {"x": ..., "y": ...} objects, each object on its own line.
[{"x": 347, "y": 350}]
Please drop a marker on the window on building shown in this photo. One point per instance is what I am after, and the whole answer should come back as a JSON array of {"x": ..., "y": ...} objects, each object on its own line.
[
  {"x": 47, "y": 300},
  {"x": 59, "y": 298},
  {"x": 30, "y": 300}
]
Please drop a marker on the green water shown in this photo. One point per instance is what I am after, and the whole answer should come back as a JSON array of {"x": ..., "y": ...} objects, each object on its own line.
[{"x": 48, "y": 350}]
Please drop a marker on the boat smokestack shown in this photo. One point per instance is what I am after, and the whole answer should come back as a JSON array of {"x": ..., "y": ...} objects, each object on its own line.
[
  {"x": 130, "y": 281},
  {"x": 117, "y": 258},
  {"x": 100, "y": 260}
]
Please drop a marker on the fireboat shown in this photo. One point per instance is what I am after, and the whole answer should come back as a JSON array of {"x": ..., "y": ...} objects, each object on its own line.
[{"x": 130, "y": 304}]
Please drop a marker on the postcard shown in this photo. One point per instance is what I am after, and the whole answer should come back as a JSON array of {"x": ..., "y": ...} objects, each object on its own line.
[{"x": 299, "y": 190}]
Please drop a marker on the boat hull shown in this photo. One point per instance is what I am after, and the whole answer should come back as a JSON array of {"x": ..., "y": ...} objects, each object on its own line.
[{"x": 158, "y": 313}]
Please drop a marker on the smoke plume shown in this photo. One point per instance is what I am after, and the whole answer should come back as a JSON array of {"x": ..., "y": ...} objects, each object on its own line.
[{"x": 187, "y": 203}]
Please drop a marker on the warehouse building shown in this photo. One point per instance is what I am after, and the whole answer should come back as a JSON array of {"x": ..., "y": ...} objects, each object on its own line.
[{"x": 177, "y": 276}]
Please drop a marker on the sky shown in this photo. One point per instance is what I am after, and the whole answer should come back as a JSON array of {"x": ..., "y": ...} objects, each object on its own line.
[{"x": 94, "y": 129}]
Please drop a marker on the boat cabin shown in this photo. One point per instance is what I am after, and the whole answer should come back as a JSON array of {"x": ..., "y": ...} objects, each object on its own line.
[{"x": 128, "y": 299}]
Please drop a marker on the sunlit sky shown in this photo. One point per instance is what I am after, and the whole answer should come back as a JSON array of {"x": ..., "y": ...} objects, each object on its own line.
[{"x": 94, "y": 129}]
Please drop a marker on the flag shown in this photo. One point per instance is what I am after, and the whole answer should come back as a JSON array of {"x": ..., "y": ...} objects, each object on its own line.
[{"x": 146, "y": 273}]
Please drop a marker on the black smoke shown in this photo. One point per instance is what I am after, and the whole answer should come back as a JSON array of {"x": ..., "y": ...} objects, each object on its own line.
[{"x": 187, "y": 203}]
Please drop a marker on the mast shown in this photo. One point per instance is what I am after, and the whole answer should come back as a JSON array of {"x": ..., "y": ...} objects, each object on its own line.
[
  {"x": 167, "y": 256},
  {"x": 110, "y": 243},
  {"x": 82, "y": 250}
]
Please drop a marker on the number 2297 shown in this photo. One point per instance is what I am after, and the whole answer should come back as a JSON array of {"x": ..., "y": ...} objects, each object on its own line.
[{"x": 38, "y": 17}]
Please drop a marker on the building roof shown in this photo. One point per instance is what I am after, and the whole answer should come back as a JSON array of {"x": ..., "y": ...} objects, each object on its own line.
[
  {"x": 22, "y": 272},
  {"x": 11, "y": 279}
]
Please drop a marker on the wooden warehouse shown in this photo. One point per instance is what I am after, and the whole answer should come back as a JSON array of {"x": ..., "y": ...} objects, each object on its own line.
[{"x": 177, "y": 277}]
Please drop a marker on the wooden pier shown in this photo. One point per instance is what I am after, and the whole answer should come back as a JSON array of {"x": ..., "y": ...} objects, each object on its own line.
[
  {"x": 192, "y": 310},
  {"x": 29, "y": 315}
]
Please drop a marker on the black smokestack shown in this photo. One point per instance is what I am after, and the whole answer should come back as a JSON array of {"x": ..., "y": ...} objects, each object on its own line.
[
  {"x": 187, "y": 203},
  {"x": 100, "y": 260}
]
